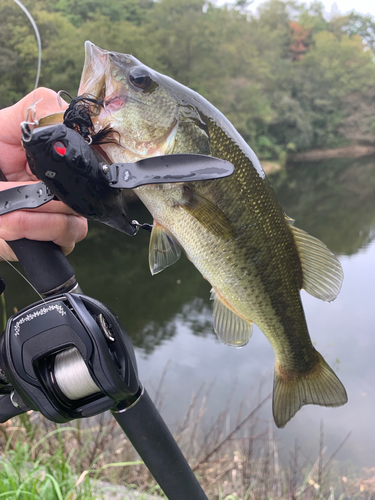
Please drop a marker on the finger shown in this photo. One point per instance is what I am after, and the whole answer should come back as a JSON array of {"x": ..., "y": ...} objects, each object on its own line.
[
  {"x": 6, "y": 253},
  {"x": 32, "y": 176},
  {"x": 64, "y": 230},
  {"x": 45, "y": 101}
]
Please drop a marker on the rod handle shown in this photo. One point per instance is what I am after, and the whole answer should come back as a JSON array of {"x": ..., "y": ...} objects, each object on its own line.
[{"x": 45, "y": 265}]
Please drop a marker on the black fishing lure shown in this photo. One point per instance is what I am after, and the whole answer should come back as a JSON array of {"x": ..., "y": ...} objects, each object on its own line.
[
  {"x": 63, "y": 160},
  {"x": 61, "y": 156}
]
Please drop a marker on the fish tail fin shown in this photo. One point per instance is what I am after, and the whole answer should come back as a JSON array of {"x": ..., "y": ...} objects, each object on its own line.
[{"x": 319, "y": 386}]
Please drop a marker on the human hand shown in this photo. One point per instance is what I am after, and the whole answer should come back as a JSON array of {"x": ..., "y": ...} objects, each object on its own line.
[{"x": 52, "y": 222}]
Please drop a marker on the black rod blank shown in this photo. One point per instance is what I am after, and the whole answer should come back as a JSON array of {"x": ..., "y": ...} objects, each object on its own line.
[{"x": 155, "y": 444}]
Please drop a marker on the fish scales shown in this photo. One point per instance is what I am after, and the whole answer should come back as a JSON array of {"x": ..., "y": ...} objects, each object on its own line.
[
  {"x": 247, "y": 270},
  {"x": 233, "y": 230}
]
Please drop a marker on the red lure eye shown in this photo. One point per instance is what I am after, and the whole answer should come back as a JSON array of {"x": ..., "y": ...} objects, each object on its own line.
[{"x": 60, "y": 148}]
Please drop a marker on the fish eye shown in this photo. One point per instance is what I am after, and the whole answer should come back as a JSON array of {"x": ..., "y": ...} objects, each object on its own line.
[{"x": 140, "y": 78}]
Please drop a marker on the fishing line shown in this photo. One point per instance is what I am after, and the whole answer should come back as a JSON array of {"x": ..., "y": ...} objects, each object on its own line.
[
  {"x": 22, "y": 276},
  {"x": 31, "y": 121},
  {"x": 38, "y": 39},
  {"x": 32, "y": 111}
]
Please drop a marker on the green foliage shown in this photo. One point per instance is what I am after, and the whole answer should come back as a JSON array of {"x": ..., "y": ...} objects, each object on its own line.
[
  {"x": 28, "y": 472},
  {"x": 284, "y": 75},
  {"x": 357, "y": 25},
  {"x": 80, "y": 11}
]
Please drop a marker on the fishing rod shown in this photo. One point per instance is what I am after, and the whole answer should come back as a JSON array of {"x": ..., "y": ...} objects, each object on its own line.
[{"x": 68, "y": 356}]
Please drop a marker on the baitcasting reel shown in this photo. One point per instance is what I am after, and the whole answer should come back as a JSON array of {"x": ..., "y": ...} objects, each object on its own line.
[{"x": 68, "y": 357}]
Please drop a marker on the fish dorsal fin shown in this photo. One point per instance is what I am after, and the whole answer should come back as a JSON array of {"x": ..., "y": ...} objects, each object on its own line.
[
  {"x": 208, "y": 214},
  {"x": 322, "y": 271},
  {"x": 164, "y": 249},
  {"x": 229, "y": 327}
]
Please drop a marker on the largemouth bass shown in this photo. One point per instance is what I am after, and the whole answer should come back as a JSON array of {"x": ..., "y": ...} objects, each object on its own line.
[{"x": 233, "y": 230}]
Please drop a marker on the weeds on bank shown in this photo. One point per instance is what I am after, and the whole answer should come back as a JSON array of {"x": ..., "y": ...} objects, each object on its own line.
[
  {"x": 39, "y": 459},
  {"x": 28, "y": 467}
]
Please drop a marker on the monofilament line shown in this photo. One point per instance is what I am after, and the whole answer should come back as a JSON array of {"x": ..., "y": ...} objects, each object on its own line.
[
  {"x": 38, "y": 39},
  {"x": 24, "y": 277}
]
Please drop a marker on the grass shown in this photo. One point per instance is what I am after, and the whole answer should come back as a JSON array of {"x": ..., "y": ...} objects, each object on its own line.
[
  {"x": 41, "y": 460},
  {"x": 29, "y": 471},
  {"x": 35, "y": 464}
]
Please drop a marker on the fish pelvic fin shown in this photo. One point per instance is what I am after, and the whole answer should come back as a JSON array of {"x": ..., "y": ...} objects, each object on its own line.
[
  {"x": 321, "y": 270},
  {"x": 164, "y": 249},
  {"x": 318, "y": 386},
  {"x": 230, "y": 328}
]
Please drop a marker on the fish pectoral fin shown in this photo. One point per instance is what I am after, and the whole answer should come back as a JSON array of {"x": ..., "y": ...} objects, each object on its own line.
[
  {"x": 318, "y": 386},
  {"x": 208, "y": 214},
  {"x": 321, "y": 270},
  {"x": 230, "y": 328},
  {"x": 164, "y": 249}
]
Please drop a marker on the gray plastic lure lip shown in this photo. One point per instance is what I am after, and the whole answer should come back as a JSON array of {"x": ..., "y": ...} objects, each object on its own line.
[
  {"x": 24, "y": 197},
  {"x": 167, "y": 169},
  {"x": 155, "y": 170}
]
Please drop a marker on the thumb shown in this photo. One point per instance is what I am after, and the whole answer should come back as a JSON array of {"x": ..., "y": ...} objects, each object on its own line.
[{"x": 46, "y": 102}]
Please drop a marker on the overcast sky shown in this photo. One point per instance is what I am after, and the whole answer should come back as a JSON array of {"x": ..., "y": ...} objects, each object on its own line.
[{"x": 362, "y": 6}]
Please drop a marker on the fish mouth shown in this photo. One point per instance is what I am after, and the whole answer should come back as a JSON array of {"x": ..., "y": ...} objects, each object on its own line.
[
  {"x": 93, "y": 75},
  {"x": 132, "y": 146}
]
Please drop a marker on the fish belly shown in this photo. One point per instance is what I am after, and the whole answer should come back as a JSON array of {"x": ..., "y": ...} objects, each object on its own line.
[
  {"x": 256, "y": 274},
  {"x": 257, "y": 285}
]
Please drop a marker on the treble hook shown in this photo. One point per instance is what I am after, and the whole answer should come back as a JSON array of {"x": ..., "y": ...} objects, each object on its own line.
[{"x": 59, "y": 97}]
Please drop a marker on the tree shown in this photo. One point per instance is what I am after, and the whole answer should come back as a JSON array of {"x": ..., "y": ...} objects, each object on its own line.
[
  {"x": 80, "y": 11},
  {"x": 284, "y": 76},
  {"x": 358, "y": 25}
]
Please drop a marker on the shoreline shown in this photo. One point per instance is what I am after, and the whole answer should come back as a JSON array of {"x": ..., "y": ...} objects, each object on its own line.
[{"x": 353, "y": 151}]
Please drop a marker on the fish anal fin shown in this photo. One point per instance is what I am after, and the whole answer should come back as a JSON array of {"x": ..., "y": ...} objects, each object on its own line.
[
  {"x": 321, "y": 270},
  {"x": 164, "y": 249},
  {"x": 230, "y": 328},
  {"x": 319, "y": 386},
  {"x": 208, "y": 214}
]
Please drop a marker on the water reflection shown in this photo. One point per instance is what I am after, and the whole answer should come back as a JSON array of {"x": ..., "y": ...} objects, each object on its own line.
[
  {"x": 332, "y": 200},
  {"x": 169, "y": 316}
]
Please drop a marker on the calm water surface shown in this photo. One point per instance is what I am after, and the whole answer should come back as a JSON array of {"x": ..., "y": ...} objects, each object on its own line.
[{"x": 169, "y": 316}]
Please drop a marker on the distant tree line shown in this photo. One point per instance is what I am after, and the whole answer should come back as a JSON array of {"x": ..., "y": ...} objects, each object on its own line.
[{"x": 288, "y": 79}]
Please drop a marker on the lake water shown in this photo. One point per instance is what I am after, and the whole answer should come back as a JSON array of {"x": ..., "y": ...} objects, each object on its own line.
[{"x": 169, "y": 316}]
